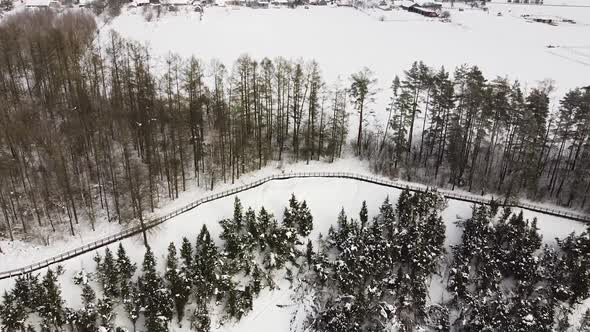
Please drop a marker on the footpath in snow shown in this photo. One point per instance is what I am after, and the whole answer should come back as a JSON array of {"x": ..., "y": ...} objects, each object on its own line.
[{"x": 22, "y": 255}]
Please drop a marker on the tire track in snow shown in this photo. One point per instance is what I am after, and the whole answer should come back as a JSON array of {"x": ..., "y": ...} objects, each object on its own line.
[{"x": 569, "y": 58}]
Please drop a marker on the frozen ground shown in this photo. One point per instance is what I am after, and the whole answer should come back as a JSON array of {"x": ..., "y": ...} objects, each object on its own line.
[
  {"x": 18, "y": 253},
  {"x": 325, "y": 198},
  {"x": 343, "y": 40}
]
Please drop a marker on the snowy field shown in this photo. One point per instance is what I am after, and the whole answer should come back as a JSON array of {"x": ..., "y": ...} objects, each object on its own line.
[
  {"x": 325, "y": 198},
  {"x": 17, "y": 253},
  {"x": 344, "y": 40}
]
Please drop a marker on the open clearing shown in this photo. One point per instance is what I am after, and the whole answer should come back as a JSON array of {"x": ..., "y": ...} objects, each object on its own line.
[
  {"x": 344, "y": 40},
  {"x": 325, "y": 198}
]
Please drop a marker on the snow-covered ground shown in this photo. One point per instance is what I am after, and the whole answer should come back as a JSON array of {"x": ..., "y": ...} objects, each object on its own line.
[
  {"x": 17, "y": 254},
  {"x": 325, "y": 198},
  {"x": 344, "y": 40}
]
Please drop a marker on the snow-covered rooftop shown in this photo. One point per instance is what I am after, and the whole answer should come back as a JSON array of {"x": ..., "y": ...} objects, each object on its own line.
[
  {"x": 38, "y": 3},
  {"x": 178, "y": 2},
  {"x": 406, "y": 3},
  {"x": 425, "y": 3}
]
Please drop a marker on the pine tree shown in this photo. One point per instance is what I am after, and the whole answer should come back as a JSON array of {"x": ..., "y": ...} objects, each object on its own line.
[
  {"x": 86, "y": 318},
  {"x": 206, "y": 256},
  {"x": 305, "y": 224},
  {"x": 106, "y": 313},
  {"x": 72, "y": 318},
  {"x": 179, "y": 283},
  {"x": 108, "y": 274},
  {"x": 363, "y": 215},
  {"x": 257, "y": 279},
  {"x": 231, "y": 231},
  {"x": 248, "y": 238},
  {"x": 400, "y": 121},
  {"x": 51, "y": 309},
  {"x": 238, "y": 214},
  {"x": 361, "y": 93},
  {"x": 186, "y": 253},
  {"x": 232, "y": 303},
  {"x": 264, "y": 222},
  {"x": 200, "y": 321},
  {"x": 155, "y": 296},
  {"x": 246, "y": 300},
  {"x": 291, "y": 213},
  {"x": 309, "y": 253},
  {"x": 13, "y": 313},
  {"x": 28, "y": 289},
  {"x": 125, "y": 270},
  {"x": 133, "y": 302},
  {"x": 385, "y": 221}
]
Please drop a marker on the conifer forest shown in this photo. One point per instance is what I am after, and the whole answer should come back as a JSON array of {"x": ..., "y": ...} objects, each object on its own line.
[{"x": 363, "y": 275}]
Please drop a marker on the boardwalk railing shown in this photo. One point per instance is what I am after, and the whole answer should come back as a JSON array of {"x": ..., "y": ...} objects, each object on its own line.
[{"x": 131, "y": 231}]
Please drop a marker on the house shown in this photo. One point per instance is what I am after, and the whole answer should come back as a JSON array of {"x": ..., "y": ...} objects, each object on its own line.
[
  {"x": 43, "y": 4},
  {"x": 542, "y": 19},
  {"x": 258, "y": 4},
  {"x": 534, "y": 2},
  {"x": 280, "y": 3},
  {"x": 546, "y": 20},
  {"x": 174, "y": 5},
  {"x": 415, "y": 8},
  {"x": 429, "y": 5},
  {"x": 84, "y": 3},
  {"x": 178, "y": 3}
]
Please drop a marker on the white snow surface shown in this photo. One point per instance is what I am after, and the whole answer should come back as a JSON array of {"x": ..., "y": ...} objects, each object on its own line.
[
  {"x": 344, "y": 40},
  {"x": 18, "y": 253},
  {"x": 325, "y": 198}
]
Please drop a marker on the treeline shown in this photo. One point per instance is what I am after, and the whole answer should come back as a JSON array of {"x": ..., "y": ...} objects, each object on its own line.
[
  {"x": 201, "y": 280},
  {"x": 91, "y": 130},
  {"x": 503, "y": 279},
  {"x": 374, "y": 275},
  {"x": 485, "y": 135},
  {"x": 382, "y": 275}
]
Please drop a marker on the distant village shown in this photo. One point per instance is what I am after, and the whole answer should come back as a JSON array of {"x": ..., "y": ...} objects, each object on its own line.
[{"x": 427, "y": 8}]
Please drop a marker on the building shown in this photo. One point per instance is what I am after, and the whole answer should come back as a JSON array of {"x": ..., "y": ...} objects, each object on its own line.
[
  {"x": 43, "y": 4},
  {"x": 178, "y": 3},
  {"x": 415, "y": 8},
  {"x": 533, "y": 2},
  {"x": 429, "y": 5},
  {"x": 281, "y": 3}
]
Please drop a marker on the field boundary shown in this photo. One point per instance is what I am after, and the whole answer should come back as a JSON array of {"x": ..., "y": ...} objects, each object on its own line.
[{"x": 135, "y": 230}]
